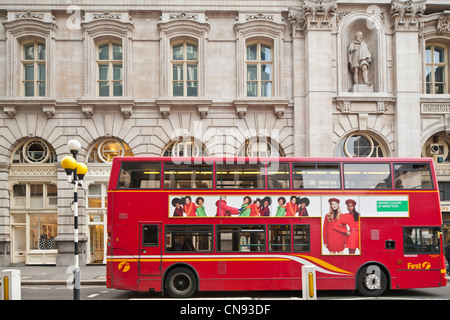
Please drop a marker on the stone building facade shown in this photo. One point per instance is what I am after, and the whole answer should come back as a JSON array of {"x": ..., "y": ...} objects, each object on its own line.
[{"x": 303, "y": 78}]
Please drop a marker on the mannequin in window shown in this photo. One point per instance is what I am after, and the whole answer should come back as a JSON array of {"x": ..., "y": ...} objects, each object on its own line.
[{"x": 359, "y": 58}]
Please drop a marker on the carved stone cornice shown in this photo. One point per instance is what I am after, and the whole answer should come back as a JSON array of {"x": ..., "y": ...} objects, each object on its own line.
[
  {"x": 443, "y": 23},
  {"x": 405, "y": 15},
  {"x": 314, "y": 15}
]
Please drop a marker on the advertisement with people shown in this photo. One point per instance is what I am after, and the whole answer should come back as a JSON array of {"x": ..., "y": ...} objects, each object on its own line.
[{"x": 340, "y": 215}]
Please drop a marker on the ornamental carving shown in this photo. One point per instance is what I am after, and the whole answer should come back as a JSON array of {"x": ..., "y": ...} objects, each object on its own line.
[
  {"x": 106, "y": 15},
  {"x": 443, "y": 23},
  {"x": 406, "y": 15},
  {"x": 314, "y": 15},
  {"x": 29, "y": 15},
  {"x": 259, "y": 16},
  {"x": 183, "y": 16}
]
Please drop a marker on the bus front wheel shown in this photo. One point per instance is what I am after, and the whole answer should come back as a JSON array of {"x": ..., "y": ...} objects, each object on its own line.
[
  {"x": 372, "y": 281},
  {"x": 181, "y": 283}
]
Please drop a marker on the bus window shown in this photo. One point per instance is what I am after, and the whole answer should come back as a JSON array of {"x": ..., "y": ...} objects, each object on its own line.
[
  {"x": 301, "y": 238},
  {"x": 280, "y": 238},
  {"x": 240, "y": 176},
  {"x": 413, "y": 176},
  {"x": 316, "y": 176},
  {"x": 421, "y": 240},
  {"x": 240, "y": 238},
  {"x": 188, "y": 176},
  {"x": 278, "y": 175},
  {"x": 134, "y": 175},
  {"x": 150, "y": 235},
  {"x": 367, "y": 176},
  {"x": 189, "y": 238}
]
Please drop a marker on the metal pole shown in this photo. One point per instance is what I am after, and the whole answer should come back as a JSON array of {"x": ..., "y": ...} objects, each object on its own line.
[{"x": 76, "y": 270}]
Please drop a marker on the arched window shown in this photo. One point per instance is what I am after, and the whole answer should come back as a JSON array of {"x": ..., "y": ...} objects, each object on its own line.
[
  {"x": 259, "y": 61},
  {"x": 107, "y": 149},
  {"x": 360, "y": 145},
  {"x": 185, "y": 147},
  {"x": 33, "y": 69},
  {"x": 260, "y": 147},
  {"x": 184, "y": 69},
  {"x": 110, "y": 71},
  {"x": 34, "y": 151}
]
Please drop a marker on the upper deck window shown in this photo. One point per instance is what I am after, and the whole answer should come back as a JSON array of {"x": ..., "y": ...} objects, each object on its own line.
[
  {"x": 138, "y": 175},
  {"x": 316, "y": 176},
  {"x": 278, "y": 176},
  {"x": 188, "y": 176},
  {"x": 240, "y": 176},
  {"x": 367, "y": 176},
  {"x": 413, "y": 176}
]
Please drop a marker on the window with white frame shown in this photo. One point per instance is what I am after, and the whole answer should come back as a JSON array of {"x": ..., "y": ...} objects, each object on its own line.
[
  {"x": 261, "y": 147},
  {"x": 436, "y": 66},
  {"x": 109, "y": 69},
  {"x": 184, "y": 69},
  {"x": 360, "y": 145},
  {"x": 259, "y": 60},
  {"x": 34, "y": 151},
  {"x": 97, "y": 196},
  {"x": 185, "y": 147},
  {"x": 107, "y": 149},
  {"x": 34, "y": 196},
  {"x": 34, "y": 69}
]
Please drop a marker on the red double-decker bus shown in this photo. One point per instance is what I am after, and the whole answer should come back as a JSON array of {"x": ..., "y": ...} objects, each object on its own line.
[{"x": 181, "y": 225}]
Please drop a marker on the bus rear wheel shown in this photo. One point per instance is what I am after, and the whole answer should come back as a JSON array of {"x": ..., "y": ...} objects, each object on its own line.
[
  {"x": 181, "y": 283},
  {"x": 372, "y": 281}
]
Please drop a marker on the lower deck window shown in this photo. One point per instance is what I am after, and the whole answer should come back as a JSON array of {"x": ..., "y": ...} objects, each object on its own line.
[
  {"x": 280, "y": 238},
  {"x": 189, "y": 238},
  {"x": 249, "y": 238},
  {"x": 301, "y": 238},
  {"x": 421, "y": 240}
]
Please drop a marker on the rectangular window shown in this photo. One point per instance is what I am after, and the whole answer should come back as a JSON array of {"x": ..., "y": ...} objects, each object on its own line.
[
  {"x": 279, "y": 238},
  {"x": 244, "y": 238},
  {"x": 188, "y": 176},
  {"x": 302, "y": 238},
  {"x": 185, "y": 70},
  {"x": 421, "y": 240},
  {"x": 189, "y": 238},
  {"x": 19, "y": 195},
  {"x": 240, "y": 176},
  {"x": 278, "y": 175},
  {"x": 110, "y": 70},
  {"x": 52, "y": 195},
  {"x": 43, "y": 230},
  {"x": 413, "y": 176},
  {"x": 138, "y": 175},
  {"x": 316, "y": 176},
  {"x": 150, "y": 235},
  {"x": 36, "y": 196},
  {"x": 367, "y": 176},
  {"x": 34, "y": 70}
]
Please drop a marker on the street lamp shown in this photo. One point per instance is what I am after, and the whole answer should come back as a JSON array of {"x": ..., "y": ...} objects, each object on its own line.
[{"x": 78, "y": 169}]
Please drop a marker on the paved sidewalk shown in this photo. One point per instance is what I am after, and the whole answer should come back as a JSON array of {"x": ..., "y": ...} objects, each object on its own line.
[{"x": 41, "y": 275}]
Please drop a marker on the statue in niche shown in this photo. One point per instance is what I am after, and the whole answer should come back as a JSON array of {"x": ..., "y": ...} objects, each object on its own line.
[{"x": 359, "y": 59}]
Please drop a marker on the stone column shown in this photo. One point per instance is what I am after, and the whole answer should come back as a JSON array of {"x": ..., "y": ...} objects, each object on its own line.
[
  {"x": 405, "y": 22},
  {"x": 314, "y": 22}
]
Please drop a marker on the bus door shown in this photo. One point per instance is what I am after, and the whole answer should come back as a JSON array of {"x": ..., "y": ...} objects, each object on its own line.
[{"x": 150, "y": 248}]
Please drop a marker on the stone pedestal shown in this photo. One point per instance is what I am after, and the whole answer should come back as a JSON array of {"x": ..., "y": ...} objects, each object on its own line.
[{"x": 362, "y": 88}]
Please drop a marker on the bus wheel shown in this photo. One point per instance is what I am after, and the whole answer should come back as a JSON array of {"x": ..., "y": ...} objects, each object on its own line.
[
  {"x": 181, "y": 283},
  {"x": 372, "y": 281}
]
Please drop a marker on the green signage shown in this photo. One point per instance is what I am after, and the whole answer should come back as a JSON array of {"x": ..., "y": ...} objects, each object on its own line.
[{"x": 392, "y": 206}]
